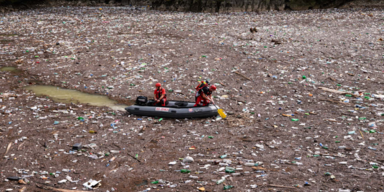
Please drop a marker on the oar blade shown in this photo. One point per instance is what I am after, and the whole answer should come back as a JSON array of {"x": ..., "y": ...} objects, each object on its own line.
[{"x": 221, "y": 113}]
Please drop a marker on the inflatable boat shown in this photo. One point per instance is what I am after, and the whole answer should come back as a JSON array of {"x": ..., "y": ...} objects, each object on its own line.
[{"x": 173, "y": 109}]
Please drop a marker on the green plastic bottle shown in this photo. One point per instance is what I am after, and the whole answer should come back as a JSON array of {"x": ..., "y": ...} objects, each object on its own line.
[
  {"x": 229, "y": 170},
  {"x": 185, "y": 171},
  {"x": 228, "y": 187}
]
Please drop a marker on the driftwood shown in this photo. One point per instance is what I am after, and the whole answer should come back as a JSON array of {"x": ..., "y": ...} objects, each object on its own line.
[
  {"x": 336, "y": 91},
  {"x": 242, "y": 75},
  {"x": 276, "y": 41},
  {"x": 19, "y": 147},
  {"x": 333, "y": 90},
  {"x": 361, "y": 134},
  {"x": 134, "y": 157},
  {"x": 281, "y": 186},
  {"x": 57, "y": 189},
  {"x": 334, "y": 101},
  {"x": 8, "y": 147},
  {"x": 66, "y": 190}
]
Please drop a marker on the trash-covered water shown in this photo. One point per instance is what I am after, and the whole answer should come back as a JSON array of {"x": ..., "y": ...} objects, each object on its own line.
[
  {"x": 302, "y": 90},
  {"x": 72, "y": 96}
]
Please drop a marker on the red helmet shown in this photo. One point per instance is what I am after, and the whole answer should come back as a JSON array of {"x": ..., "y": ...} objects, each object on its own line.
[
  {"x": 213, "y": 87},
  {"x": 158, "y": 85}
]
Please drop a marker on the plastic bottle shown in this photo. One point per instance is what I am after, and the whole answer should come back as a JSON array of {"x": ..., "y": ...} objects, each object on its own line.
[
  {"x": 229, "y": 170},
  {"x": 228, "y": 187},
  {"x": 220, "y": 181},
  {"x": 251, "y": 164},
  {"x": 185, "y": 171},
  {"x": 372, "y": 148}
]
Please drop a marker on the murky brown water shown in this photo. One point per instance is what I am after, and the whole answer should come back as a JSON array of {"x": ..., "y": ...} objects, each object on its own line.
[
  {"x": 67, "y": 96},
  {"x": 10, "y": 69}
]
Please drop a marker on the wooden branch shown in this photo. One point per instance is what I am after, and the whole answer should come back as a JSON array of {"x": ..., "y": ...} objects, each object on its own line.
[
  {"x": 8, "y": 147},
  {"x": 336, "y": 91},
  {"x": 56, "y": 189},
  {"x": 19, "y": 147},
  {"x": 134, "y": 157},
  {"x": 242, "y": 75},
  {"x": 332, "y": 101},
  {"x": 66, "y": 190},
  {"x": 281, "y": 186},
  {"x": 361, "y": 134}
]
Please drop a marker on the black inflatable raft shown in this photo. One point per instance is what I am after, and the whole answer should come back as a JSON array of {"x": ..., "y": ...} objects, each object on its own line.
[{"x": 173, "y": 109}]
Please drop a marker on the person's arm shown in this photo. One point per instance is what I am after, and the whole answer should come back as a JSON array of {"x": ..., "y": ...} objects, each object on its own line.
[
  {"x": 204, "y": 96},
  {"x": 211, "y": 98},
  {"x": 162, "y": 95},
  {"x": 155, "y": 96}
]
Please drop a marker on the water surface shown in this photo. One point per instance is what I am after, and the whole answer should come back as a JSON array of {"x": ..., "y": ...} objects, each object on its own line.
[{"x": 61, "y": 95}]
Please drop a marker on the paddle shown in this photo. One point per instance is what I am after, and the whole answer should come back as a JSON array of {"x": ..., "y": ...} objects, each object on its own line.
[{"x": 220, "y": 112}]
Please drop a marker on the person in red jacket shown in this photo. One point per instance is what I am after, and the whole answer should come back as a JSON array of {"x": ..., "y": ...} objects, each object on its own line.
[
  {"x": 205, "y": 96},
  {"x": 160, "y": 96},
  {"x": 200, "y": 86}
]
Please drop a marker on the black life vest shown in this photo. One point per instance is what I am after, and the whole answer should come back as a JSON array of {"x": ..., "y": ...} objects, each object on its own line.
[
  {"x": 201, "y": 86},
  {"x": 202, "y": 91}
]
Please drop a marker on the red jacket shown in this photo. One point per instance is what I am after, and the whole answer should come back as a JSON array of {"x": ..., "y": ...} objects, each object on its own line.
[{"x": 160, "y": 92}]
